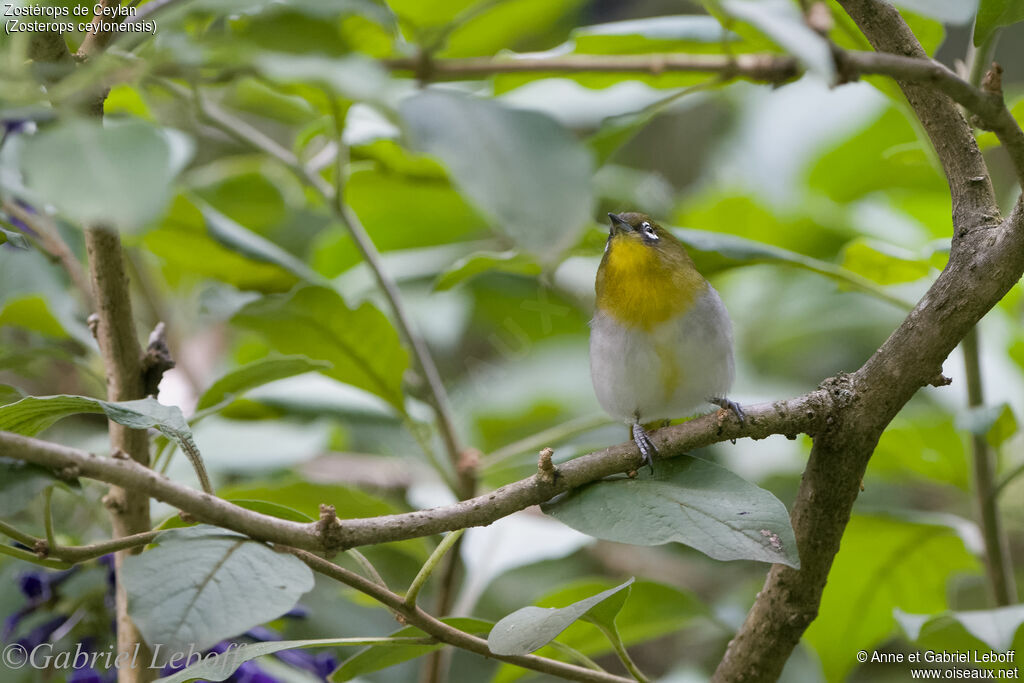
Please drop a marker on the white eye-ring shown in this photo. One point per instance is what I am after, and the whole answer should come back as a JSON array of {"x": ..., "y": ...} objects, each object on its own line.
[{"x": 649, "y": 231}]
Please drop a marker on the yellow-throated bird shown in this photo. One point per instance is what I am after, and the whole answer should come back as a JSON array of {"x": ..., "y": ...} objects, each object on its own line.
[{"x": 661, "y": 339}]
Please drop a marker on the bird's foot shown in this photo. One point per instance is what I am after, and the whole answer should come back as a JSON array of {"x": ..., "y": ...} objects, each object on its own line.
[
  {"x": 643, "y": 442},
  {"x": 728, "y": 404}
]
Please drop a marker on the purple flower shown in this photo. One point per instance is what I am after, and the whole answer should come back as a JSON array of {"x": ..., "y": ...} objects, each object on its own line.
[
  {"x": 41, "y": 634},
  {"x": 249, "y": 672},
  {"x": 90, "y": 675},
  {"x": 35, "y": 586}
]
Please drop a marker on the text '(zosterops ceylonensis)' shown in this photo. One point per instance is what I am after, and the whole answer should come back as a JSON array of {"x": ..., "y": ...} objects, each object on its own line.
[{"x": 661, "y": 339}]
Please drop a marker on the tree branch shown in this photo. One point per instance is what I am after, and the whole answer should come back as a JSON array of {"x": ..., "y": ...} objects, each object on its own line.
[
  {"x": 984, "y": 264},
  {"x": 921, "y": 77},
  {"x": 122, "y": 356},
  {"x": 805, "y": 414},
  {"x": 767, "y": 68}
]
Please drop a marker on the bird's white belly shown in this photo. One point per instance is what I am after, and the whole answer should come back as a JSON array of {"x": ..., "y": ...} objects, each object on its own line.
[{"x": 668, "y": 372}]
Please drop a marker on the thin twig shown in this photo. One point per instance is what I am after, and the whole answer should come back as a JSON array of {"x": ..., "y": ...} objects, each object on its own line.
[
  {"x": 428, "y": 567},
  {"x": 73, "y": 554}
]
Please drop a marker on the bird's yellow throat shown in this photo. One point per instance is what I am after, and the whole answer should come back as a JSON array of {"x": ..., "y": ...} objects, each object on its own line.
[{"x": 643, "y": 286}]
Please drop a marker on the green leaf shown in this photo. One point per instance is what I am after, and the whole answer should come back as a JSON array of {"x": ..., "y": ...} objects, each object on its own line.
[
  {"x": 884, "y": 563},
  {"x": 377, "y": 657},
  {"x": 886, "y": 155},
  {"x": 261, "y": 506},
  {"x": 530, "y": 628},
  {"x": 714, "y": 252},
  {"x": 13, "y": 237},
  {"x": 249, "y": 244},
  {"x": 521, "y": 168},
  {"x": 687, "y": 500},
  {"x": 203, "y": 584},
  {"x": 653, "y": 610},
  {"x": 510, "y": 25},
  {"x": 995, "y": 13},
  {"x": 305, "y": 498},
  {"x": 784, "y": 24},
  {"x": 114, "y": 174},
  {"x": 257, "y": 373},
  {"x": 996, "y": 423},
  {"x": 994, "y": 627},
  {"x": 315, "y": 321},
  {"x": 883, "y": 263},
  {"x": 33, "y": 414},
  {"x": 20, "y": 483},
  {"x": 352, "y": 77},
  {"x": 481, "y": 262}
]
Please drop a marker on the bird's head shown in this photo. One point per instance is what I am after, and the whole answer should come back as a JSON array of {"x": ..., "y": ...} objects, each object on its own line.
[{"x": 646, "y": 276}]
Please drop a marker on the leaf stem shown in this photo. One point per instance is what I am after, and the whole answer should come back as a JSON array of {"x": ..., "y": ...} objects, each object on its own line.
[
  {"x": 368, "y": 569},
  {"x": 48, "y": 517},
  {"x": 547, "y": 437},
  {"x": 997, "y": 556},
  {"x": 430, "y": 565},
  {"x": 612, "y": 633}
]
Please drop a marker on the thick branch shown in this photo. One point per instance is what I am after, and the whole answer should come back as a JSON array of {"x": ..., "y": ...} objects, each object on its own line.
[
  {"x": 987, "y": 259},
  {"x": 122, "y": 357},
  {"x": 806, "y": 414}
]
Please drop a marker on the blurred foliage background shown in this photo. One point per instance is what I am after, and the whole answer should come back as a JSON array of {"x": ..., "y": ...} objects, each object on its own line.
[{"x": 819, "y": 213}]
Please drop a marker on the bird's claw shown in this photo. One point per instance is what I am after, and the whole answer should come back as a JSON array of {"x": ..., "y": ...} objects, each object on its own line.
[
  {"x": 728, "y": 404},
  {"x": 646, "y": 446}
]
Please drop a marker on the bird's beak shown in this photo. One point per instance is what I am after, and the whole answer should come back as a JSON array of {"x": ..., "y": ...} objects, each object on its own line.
[{"x": 618, "y": 225}]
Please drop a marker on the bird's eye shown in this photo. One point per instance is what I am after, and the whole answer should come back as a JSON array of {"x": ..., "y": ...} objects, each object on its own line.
[{"x": 649, "y": 231}]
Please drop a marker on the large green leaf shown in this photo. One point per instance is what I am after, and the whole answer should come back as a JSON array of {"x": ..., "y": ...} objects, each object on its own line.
[
  {"x": 522, "y": 169},
  {"x": 883, "y": 263},
  {"x": 305, "y": 497},
  {"x": 361, "y": 344},
  {"x": 184, "y": 245},
  {"x": 994, "y": 627},
  {"x": 688, "y": 34},
  {"x": 653, "y": 610},
  {"x": 377, "y": 657},
  {"x": 119, "y": 175},
  {"x": 995, "y": 13},
  {"x": 996, "y": 423},
  {"x": 530, "y": 628},
  {"x": 246, "y": 242},
  {"x": 33, "y": 414},
  {"x": 509, "y": 25},
  {"x": 257, "y": 373},
  {"x": 715, "y": 252},
  {"x": 203, "y": 584},
  {"x": 884, "y": 563},
  {"x": 687, "y": 500},
  {"x": 486, "y": 262}
]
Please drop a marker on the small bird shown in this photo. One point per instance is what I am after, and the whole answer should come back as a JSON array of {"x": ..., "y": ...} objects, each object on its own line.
[{"x": 661, "y": 339}]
